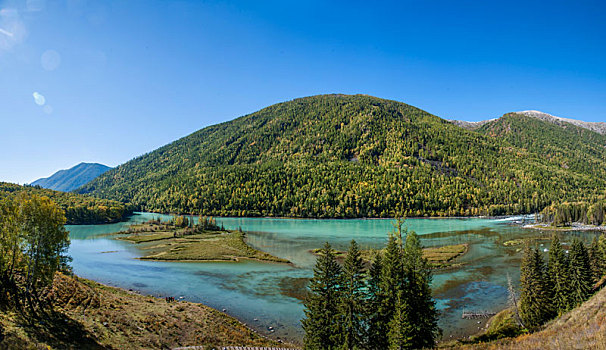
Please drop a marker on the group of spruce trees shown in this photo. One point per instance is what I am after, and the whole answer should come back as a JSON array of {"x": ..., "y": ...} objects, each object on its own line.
[
  {"x": 565, "y": 214},
  {"x": 548, "y": 289},
  {"x": 387, "y": 306}
]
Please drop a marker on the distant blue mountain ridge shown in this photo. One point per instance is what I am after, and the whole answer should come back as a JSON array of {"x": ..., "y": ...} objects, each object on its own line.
[{"x": 70, "y": 179}]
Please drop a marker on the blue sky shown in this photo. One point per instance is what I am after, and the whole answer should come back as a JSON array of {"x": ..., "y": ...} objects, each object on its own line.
[{"x": 105, "y": 81}]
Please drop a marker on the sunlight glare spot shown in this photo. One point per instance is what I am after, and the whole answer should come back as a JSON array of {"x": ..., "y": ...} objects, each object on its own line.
[{"x": 39, "y": 98}]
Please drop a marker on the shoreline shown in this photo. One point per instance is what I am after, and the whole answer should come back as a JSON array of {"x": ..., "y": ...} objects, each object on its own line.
[
  {"x": 291, "y": 343},
  {"x": 158, "y": 298},
  {"x": 487, "y": 217},
  {"x": 574, "y": 227}
]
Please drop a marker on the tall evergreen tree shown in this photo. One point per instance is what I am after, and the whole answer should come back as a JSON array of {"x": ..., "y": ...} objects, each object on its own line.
[
  {"x": 353, "y": 297},
  {"x": 377, "y": 326},
  {"x": 595, "y": 260},
  {"x": 559, "y": 276},
  {"x": 597, "y": 256},
  {"x": 392, "y": 283},
  {"x": 321, "y": 322},
  {"x": 535, "y": 303},
  {"x": 580, "y": 273},
  {"x": 400, "y": 327},
  {"x": 419, "y": 304}
]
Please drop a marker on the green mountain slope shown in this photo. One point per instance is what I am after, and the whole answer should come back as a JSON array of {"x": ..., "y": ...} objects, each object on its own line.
[
  {"x": 70, "y": 179},
  {"x": 79, "y": 209},
  {"x": 341, "y": 156},
  {"x": 562, "y": 145}
]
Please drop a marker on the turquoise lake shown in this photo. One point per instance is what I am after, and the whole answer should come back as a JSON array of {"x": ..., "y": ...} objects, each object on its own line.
[{"x": 264, "y": 295}]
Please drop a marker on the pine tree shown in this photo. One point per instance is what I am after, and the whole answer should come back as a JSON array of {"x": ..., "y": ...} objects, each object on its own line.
[
  {"x": 392, "y": 283},
  {"x": 353, "y": 296},
  {"x": 321, "y": 322},
  {"x": 597, "y": 254},
  {"x": 535, "y": 303},
  {"x": 580, "y": 273},
  {"x": 400, "y": 327},
  {"x": 559, "y": 276},
  {"x": 377, "y": 327},
  {"x": 595, "y": 260},
  {"x": 419, "y": 304}
]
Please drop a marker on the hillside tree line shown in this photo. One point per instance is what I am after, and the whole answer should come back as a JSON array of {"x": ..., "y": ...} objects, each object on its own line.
[{"x": 78, "y": 209}]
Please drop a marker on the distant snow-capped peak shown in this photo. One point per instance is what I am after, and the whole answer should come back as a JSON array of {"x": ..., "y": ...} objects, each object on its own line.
[{"x": 599, "y": 127}]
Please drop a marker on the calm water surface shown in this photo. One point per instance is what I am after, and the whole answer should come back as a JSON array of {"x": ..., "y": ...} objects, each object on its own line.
[{"x": 265, "y": 295}]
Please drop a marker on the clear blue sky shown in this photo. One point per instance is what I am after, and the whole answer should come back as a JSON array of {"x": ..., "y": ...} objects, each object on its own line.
[{"x": 105, "y": 81}]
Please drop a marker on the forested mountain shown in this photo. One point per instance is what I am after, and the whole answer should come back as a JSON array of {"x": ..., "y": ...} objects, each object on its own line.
[
  {"x": 598, "y": 127},
  {"x": 351, "y": 156},
  {"x": 563, "y": 145},
  {"x": 79, "y": 209},
  {"x": 71, "y": 179},
  {"x": 565, "y": 142}
]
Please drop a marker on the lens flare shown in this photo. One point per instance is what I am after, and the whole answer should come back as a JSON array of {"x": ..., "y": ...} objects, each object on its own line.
[{"x": 39, "y": 98}]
